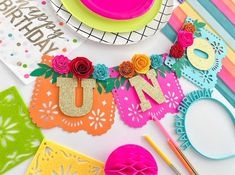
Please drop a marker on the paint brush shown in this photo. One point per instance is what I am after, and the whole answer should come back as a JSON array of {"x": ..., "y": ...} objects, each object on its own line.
[
  {"x": 162, "y": 155},
  {"x": 173, "y": 145}
]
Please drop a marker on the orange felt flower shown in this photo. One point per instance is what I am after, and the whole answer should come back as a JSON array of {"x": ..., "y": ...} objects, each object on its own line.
[
  {"x": 126, "y": 69},
  {"x": 141, "y": 63},
  {"x": 189, "y": 27}
]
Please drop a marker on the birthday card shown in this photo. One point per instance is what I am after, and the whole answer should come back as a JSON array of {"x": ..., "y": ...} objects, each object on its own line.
[{"x": 28, "y": 30}]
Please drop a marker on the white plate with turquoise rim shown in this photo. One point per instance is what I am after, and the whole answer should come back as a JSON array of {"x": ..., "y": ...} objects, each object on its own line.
[{"x": 115, "y": 38}]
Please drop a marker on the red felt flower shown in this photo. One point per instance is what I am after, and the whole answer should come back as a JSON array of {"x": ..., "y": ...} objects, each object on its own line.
[
  {"x": 177, "y": 51},
  {"x": 81, "y": 67}
]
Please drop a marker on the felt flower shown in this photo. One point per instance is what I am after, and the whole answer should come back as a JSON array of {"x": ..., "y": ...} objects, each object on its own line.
[
  {"x": 60, "y": 64},
  {"x": 185, "y": 39},
  {"x": 177, "y": 51},
  {"x": 101, "y": 72},
  {"x": 156, "y": 61},
  {"x": 81, "y": 67},
  {"x": 189, "y": 27},
  {"x": 126, "y": 69},
  {"x": 141, "y": 63}
]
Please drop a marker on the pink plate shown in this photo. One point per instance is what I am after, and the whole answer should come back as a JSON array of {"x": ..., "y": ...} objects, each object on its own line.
[{"x": 119, "y": 9}]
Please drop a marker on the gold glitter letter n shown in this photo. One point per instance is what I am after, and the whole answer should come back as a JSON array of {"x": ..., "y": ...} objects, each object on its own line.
[
  {"x": 141, "y": 85},
  {"x": 67, "y": 95}
]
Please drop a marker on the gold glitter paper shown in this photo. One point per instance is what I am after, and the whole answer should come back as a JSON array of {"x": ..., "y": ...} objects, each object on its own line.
[
  {"x": 197, "y": 61},
  {"x": 141, "y": 85},
  {"x": 67, "y": 95}
]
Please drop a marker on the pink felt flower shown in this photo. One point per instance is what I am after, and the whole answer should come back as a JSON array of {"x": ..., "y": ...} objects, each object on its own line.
[
  {"x": 185, "y": 38},
  {"x": 60, "y": 64}
]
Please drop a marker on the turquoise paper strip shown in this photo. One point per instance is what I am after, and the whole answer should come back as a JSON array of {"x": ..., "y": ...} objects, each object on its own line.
[
  {"x": 169, "y": 32},
  {"x": 226, "y": 92},
  {"x": 218, "y": 16},
  {"x": 212, "y": 22}
]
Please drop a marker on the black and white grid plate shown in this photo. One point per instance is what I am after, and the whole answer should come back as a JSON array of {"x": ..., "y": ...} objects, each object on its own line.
[{"x": 116, "y": 38}]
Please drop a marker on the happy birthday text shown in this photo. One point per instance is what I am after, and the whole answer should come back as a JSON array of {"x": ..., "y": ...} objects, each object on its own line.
[{"x": 33, "y": 23}]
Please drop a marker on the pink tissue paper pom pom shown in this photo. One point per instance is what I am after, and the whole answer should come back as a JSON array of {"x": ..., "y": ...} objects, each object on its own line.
[{"x": 131, "y": 160}]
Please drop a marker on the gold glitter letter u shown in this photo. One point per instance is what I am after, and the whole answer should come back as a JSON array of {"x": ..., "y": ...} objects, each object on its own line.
[
  {"x": 67, "y": 95},
  {"x": 140, "y": 85}
]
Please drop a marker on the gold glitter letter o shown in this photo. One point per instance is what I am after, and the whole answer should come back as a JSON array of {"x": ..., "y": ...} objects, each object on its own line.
[{"x": 199, "y": 62}]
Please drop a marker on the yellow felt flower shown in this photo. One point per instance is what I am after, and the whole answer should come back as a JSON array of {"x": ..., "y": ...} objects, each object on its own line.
[{"x": 141, "y": 63}]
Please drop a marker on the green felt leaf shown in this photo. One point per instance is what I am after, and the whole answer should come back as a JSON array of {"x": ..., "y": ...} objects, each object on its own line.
[
  {"x": 128, "y": 85},
  {"x": 109, "y": 87},
  {"x": 20, "y": 137},
  {"x": 49, "y": 73},
  {"x": 186, "y": 62},
  {"x": 197, "y": 34},
  {"x": 182, "y": 61},
  {"x": 70, "y": 75},
  {"x": 38, "y": 72},
  {"x": 116, "y": 68},
  {"x": 195, "y": 22},
  {"x": 201, "y": 25},
  {"x": 112, "y": 79},
  {"x": 117, "y": 83},
  {"x": 162, "y": 68},
  {"x": 174, "y": 66},
  {"x": 104, "y": 84},
  {"x": 162, "y": 74},
  {"x": 167, "y": 69},
  {"x": 99, "y": 89},
  {"x": 180, "y": 66},
  {"x": 177, "y": 68},
  {"x": 108, "y": 82},
  {"x": 123, "y": 79},
  {"x": 54, "y": 77},
  {"x": 64, "y": 75},
  {"x": 178, "y": 73},
  {"x": 44, "y": 66}
]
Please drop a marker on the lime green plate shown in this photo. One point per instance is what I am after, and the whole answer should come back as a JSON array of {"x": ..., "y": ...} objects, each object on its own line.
[{"x": 83, "y": 14}]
